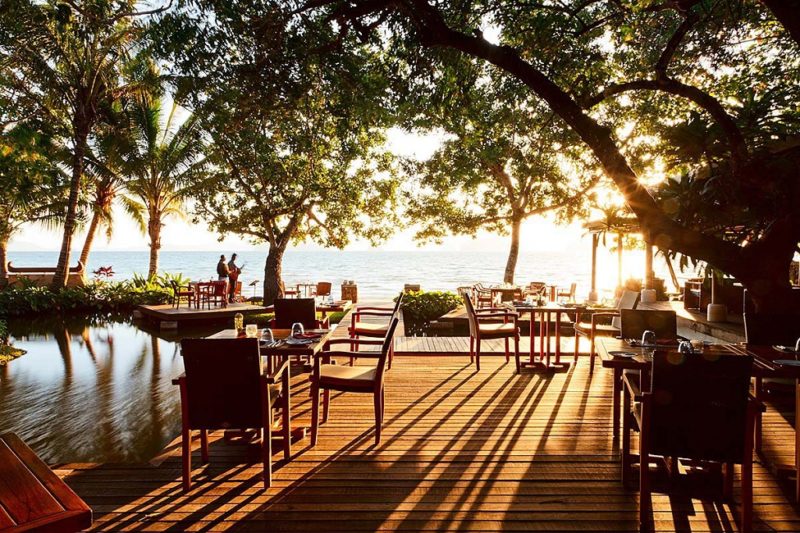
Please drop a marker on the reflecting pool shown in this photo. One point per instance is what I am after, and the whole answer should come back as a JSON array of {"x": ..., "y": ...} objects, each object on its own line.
[{"x": 92, "y": 391}]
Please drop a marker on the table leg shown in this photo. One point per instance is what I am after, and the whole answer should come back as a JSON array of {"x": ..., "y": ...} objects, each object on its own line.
[
  {"x": 558, "y": 337},
  {"x": 532, "y": 335}
]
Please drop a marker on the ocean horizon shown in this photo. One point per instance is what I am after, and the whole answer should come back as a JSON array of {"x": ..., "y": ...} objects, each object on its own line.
[{"x": 379, "y": 274}]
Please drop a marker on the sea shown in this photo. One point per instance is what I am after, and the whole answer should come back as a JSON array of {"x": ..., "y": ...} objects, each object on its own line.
[{"x": 378, "y": 274}]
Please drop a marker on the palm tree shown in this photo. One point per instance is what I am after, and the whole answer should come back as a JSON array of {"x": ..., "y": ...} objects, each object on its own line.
[
  {"x": 159, "y": 165},
  {"x": 68, "y": 58}
]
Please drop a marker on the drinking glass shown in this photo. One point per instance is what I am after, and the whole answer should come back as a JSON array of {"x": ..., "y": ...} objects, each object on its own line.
[
  {"x": 797, "y": 346},
  {"x": 648, "y": 338},
  {"x": 267, "y": 336},
  {"x": 251, "y": 331},
  {"x": 297, "y": 329}
]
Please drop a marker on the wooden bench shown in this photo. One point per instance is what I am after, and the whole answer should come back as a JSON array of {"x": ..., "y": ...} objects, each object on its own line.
[{"x": 33, "y": 497}]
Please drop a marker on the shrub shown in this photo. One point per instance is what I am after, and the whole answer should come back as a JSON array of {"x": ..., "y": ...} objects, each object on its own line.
[
  {"x": 424, "y": 306},
  {"x": 94, "y": 298}
]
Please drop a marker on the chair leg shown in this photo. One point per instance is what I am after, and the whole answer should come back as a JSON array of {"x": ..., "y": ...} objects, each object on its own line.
[
  {"x": 186, "y": 456},
  {"x": 516, "y": 352},
  {"x": 471, "y": 349},
  {"x": 577, "y": 342},
  {"x": 314, "y": 413},
  {"x": 391, "y": 354},
  {"x": 645, "y": 502},
  {"x": 326, "y": 403},
  {"x": 204, "y": 445},
  {"x": 506, "y": 345},
  {"x": 266, "y": 453},
  {"x": 727, "y": 481},
  {"x": 286, "y": 414},
  {"x": 478, "y": 353},
  {"x": 378, "y": 401},
  {"x": 591, "y": 355},
  {"x": 626, "y": 437}
]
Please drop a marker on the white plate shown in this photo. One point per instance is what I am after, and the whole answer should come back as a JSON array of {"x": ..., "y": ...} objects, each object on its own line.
[
  {"x": 787, "y": 362},
  {"x": 625, "y": 355}
]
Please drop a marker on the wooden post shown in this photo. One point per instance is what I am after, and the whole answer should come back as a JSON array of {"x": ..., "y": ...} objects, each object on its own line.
[
  {"x": 593, "y": 291},
  {"x": 619, "y": 260},
  {"x": 648, "y": 266}
]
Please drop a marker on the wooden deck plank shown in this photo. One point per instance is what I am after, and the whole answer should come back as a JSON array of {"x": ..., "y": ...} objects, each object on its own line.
[{"x": 487, "y": 451}]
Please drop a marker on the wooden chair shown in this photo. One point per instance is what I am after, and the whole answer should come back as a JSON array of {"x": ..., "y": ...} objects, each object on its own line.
[
  {"x": 569, "y": 294},
  {"x": 360, "y": 378},
  {"x": 536, "y": 289},
  {"x": 360, "y": 328},
  {"x": 492, "y": 323},
  {"x": 697, "y": 408},
  {"x": 180, "y": 292},
  {"x": 216, "y": 292},
  {"x": 634, "y": 322},
  {"x": 323, "y": 289},
  {"x": 291, "y": 310},
  {"x": 483, "y": 295},
  {"x": 225, "y": 387},
  {"x": 628, "y": 300}
]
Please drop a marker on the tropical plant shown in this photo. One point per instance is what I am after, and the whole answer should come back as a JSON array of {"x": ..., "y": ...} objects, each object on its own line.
[
  {"x": 160, "y": 162},
  {"x": 67, "y": 59},
  {"x": 32, "y": 188},
  {"x": 424, "y": 306}
]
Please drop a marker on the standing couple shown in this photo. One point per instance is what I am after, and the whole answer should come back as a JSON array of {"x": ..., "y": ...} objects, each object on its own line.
[{"x": 229, "y": 271}]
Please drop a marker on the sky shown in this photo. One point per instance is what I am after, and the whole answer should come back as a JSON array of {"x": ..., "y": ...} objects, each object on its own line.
[{"x": 538, "y": 234}]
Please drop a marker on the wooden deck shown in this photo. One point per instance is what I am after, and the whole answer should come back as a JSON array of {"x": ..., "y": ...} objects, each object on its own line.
[{"x": 488, "y": 451}]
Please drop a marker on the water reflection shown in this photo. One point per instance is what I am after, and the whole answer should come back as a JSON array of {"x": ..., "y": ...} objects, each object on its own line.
[{"x": 92, "y": 392}]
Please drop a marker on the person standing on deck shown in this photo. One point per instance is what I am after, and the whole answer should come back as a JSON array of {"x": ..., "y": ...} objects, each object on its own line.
[
  {"x": 233, "y": 276},
  {"x": 222, "y": 269}
]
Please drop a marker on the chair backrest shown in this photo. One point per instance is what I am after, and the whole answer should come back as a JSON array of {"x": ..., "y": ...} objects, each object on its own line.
[
  {"x": 220, "y": 288},
  {"x": 633, "y": 322},
  {"x": 412, "y": 287},
  {"x": 291, "y": 310},
  {"x": 472, "y": 317},
  {"x": 569, "y": 293},
  {"x": 385, "y": 348},
  {"x": 537, "y": 287},
  {"x": 699, "y": 405},
  {"x": 223, "y": 383},
  {"x": 627, "y": 300},
  {"x": 324, "y": 288}
]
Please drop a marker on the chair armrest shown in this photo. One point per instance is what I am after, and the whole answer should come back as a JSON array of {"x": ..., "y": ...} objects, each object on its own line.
[
  {"x": 603, "y": 314},
  {"x": 370, "y": 308},
  {"x": 494, "y": 309},
  {"x": 371, "y": 313},
  {"x": 367, "y": 342},
  {"x": 344, "y": 353},
  {"x": 180, "y": 379},
  {"x": 633, "y": 387},
  {"x": 497, "y": 315},
  {"x": 275, "y": 376}
]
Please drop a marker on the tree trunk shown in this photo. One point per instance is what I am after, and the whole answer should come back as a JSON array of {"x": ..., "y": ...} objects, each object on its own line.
[
  {"x": 513, "y": 252},
  {"x": 81, "y": 128},
  {"x": 154, "y": 231},
  {"x": 3, "y": 263},
  {"x": 87, "y": 244},
  {"x": 273, "y": 282},
  {"x": 788, "y": 14}
]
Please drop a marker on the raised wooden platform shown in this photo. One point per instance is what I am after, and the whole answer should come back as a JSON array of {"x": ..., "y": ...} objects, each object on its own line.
[
  {"x": 462, "y": 450},
  {"x": 167, "y": 313}
]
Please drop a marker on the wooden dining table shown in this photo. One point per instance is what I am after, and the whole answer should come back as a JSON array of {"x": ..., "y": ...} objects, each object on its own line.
[
  {"x": 544, "y": 333},
  {"x": 764, "y": 366}
]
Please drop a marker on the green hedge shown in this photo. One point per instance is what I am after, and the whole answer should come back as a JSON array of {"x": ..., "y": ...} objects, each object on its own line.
[
  {"x": 95, "y": 298},
  {"x": 424, "y": 306}
]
